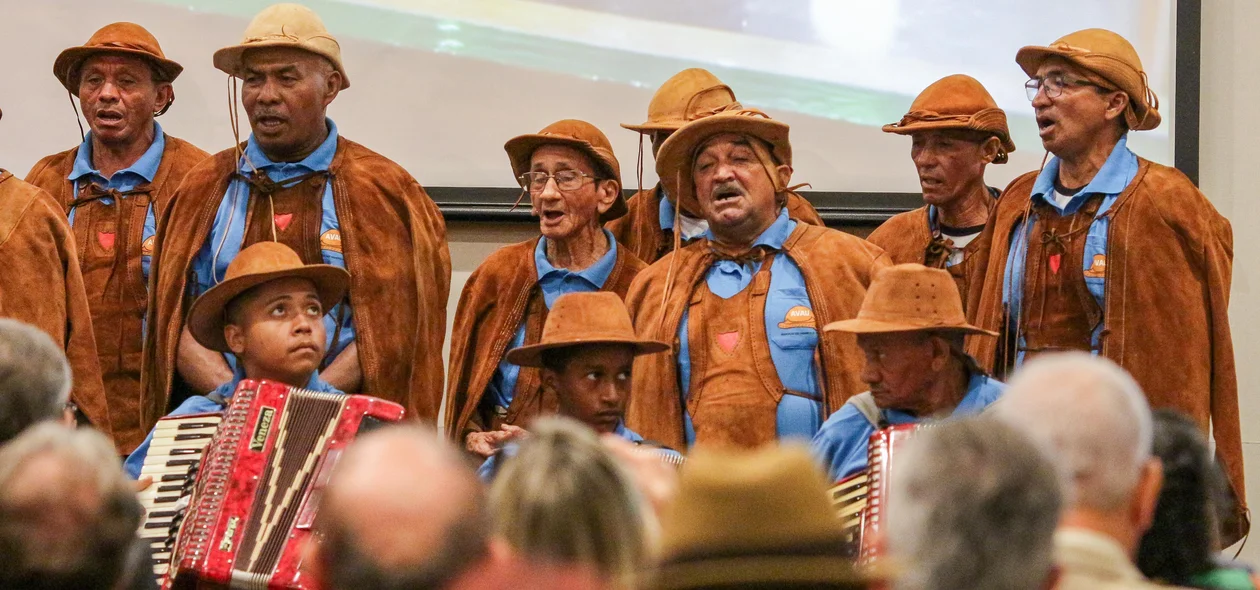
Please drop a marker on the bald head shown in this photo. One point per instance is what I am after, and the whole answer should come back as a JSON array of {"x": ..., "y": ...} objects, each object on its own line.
[{"x": 402, "y": 510}]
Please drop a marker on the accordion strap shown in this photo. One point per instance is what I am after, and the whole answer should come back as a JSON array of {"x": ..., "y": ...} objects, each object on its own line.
[{"x": 865, "y": 403}]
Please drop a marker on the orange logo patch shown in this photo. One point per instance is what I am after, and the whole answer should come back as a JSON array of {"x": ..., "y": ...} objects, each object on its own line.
[
  {"x": 798, "y": 317},
  {"x": 146, "y": 247},
  {"x": 331, "y": 240},
  {"x": 1097, "y": 268}
]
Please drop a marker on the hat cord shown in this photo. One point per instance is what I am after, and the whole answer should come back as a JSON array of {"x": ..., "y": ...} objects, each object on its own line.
[{"x": 77, "y": 118}]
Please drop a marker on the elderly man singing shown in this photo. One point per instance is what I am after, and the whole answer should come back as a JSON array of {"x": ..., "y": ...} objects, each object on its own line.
[
  {"x": 911, "y": 328},
  {"x": 744, "y": 304},
  {"x": 1106, "y": 252},
  {"x": 333, "y": 201},
  {"x": 574, "y": 183}
]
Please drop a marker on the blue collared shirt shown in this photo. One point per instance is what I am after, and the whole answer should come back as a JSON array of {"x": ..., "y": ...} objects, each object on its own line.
[
  {"x": 228, "y": 232},
  {"x": 554, "y": 282},
  {"x": 1114, "y": 176},
  {"x": 791, "y": 347},
  {"x": 142, "y": 171},
  {"x": 490, "y": 467},
  {"x": 840, "y": 445},
  {"x": 200, "y": 404}
]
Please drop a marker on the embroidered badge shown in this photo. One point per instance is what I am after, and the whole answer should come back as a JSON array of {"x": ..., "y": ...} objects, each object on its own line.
[
  {"x": 331, "y": 240},
  {"x": 105, "y": 239},
  {"x": 1055, "y": 261},
  {"x": 282, "y": 220},
  {"x": 727, "y": 341},
  {"x": 146, "y": 247},
  {"x": 1098, "y": 268},
  {"x": 798, "y": 317}
]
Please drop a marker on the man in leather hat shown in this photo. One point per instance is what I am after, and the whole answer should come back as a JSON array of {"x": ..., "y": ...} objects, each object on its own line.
[
  {"x": 114, "y": 187},
  {"x": 744, "y": 304},
  {"x": 333, "y": 201},
  {"x": 956, "y": 129},
  {"x": 1107, "y": 252},
  {"x": 574, "y": 183},
  {"x": 43, "y": 287},
  {"x": 648, "y": 228},
  {"x": 911, "y": 329}
]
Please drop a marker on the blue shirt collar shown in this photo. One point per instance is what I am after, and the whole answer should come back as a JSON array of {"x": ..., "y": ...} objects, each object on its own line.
[
  {"x": 317, "y": 161},
  {"x": 970, "y": 404},
  {"x": 315, "y": 383},
  {"x": 596, "y": 274},
  {"x": 666, "y": 210},
  {"x": 775, "y": 236},
  {"x": 145, "y": 167},
  {"x": 1112, "y": 178}
]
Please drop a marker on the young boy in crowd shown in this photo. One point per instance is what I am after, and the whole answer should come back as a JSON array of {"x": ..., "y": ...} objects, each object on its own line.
[
  {"x": 586, "y": 354},
  {"x": 268, "y": 312}
]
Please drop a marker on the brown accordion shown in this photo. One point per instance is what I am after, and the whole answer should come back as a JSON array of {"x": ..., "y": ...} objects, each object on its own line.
[
  {"x": 257, "y": 486},
  {"x": 860, "y": 498}
]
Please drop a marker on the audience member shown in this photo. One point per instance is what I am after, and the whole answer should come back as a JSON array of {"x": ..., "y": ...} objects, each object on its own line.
[{"x": 34, "y": 379}]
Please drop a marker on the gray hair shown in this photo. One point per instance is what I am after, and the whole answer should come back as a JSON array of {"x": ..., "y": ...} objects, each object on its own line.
[
  {"x": 1092, "y": 416},
  {"x": 68, "y": 515},
  {"x": 974, "y": 505},
  {"x": 564, "y": 499},
  {"x": 34, "y": 378}
]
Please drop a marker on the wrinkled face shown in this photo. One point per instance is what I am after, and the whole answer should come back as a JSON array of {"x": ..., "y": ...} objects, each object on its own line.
[
  {"x": 950, "y": 163},
  {"x": 735, "y": 192},
  {"x": 564, "y": 213},
  {"x": 1071, "y": 122},
  {"x": 594, "y": 385},
  {"x": 119, "y": 97},
  {"x": 898, "y": 369},
  {"x": 286, "y": 93},
  {"x": 277, "y": 331}
]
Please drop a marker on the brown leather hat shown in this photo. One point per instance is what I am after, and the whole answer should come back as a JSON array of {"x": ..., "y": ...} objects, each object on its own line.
[
  {"x": 283, "y": 25},
  {"x": 119, "y": 38},
  {"x": 1111, "y": 57},
  {"x": 598, "y": 317},
  {"x": 260, "y": 263},
  {"x": 956, "y": 102},
  {"x": 688, "y": 95},
  {"x": 909, "y": 298},
  {"x": 755, "y": 519},
  {"x": 576, "y": 134}
]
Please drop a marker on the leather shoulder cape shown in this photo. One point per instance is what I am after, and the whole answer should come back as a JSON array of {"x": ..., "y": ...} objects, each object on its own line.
[
  {"x": 1166, "y": 319},
  {"x": 837, "y": 268},
  {"x": 491, "y": 308},
  {"x": 394, "y": 241},
  {"x": 43, "y": 286},
  {"x": 905, "y": 236}
]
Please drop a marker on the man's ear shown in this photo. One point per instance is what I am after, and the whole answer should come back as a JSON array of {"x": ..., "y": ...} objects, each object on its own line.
[
  {"x": 235, "y": 338},
  {"x": 1150, "y": 483},
  {"x": 606, "y": 194},
  {"x": 332, "y": 86},
  {"x": 785, "y": 174},
  {"x": 549, "y": 380},
  {"x": 990, "y": 149},
  {"x": 1116, "y": 105},
  {"x": 940, "y": 353}
]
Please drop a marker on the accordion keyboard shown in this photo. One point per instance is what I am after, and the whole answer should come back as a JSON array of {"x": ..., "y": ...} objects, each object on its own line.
[{"x": 173, "y": 458}]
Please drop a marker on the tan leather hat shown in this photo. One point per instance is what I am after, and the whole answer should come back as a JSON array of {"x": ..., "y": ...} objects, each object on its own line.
[
  {"x": 909, "y": 298},
  {"x": 956, "y": 102},
  {"x": 598, "y": 317},
  {"x": 283, "y": 25},
  {"x": 756, "y": 519},
  {"x": 688, "y": 95},
  {"x": 260, "y": 263},
  {"x": 1111, "y": 57},
  {"x": 579, "y": 135},
  {"x": 118, "y": 38}
]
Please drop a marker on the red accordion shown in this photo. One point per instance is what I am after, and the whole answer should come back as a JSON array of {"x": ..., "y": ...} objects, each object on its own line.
[
  {"x": 259, "y": 483},
  {"x": 860, "y": 498}
]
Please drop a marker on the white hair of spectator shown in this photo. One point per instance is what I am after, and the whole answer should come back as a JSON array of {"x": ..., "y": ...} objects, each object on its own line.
[
  {"x": 34, "y": 378},
  {"x": 1094, "y": 418},
  {"x": 974, "y": 504}
]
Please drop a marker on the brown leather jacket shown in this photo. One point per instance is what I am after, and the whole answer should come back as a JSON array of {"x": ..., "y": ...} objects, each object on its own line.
[
  {"x": 1166, "y": 319},
  {"x": 906, "y": 237},
  {"x": 640, "y": 228},
  {"x": 491, "y": 309},
  {"x": 43, "y": 286},
  {"x": 394, "y": 241},
  {"x": 837, "y": 268}
]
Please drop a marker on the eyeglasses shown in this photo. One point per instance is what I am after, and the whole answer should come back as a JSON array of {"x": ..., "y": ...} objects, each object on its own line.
[
  {"x": 1054, "y": 85},
  {"x": 566, "y": 180}
]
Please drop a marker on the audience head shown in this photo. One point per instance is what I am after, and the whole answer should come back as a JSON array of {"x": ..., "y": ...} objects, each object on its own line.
[
  {"x": 68, "y": 515},
  {"x": 564, "y": 500},
  {"x": 753, "y": 519},
  {"x": 403, "y": 511},
  {"x": 572, "y": 177},
  {"x": 35, "y": 378},
  {"x": 1097, "y": 424},
  {"x": 975, "y": 505}
]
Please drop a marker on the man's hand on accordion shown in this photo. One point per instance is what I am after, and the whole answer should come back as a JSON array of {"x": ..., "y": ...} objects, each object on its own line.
[{"x": 485, "y": 444}]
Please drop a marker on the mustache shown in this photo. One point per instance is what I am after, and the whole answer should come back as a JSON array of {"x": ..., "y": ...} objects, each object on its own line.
[{"x": 729, "y": 186}]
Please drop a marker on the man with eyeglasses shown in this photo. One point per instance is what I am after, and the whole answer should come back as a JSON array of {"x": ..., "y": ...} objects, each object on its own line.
[
  {"x": 1107, "y": 252},
  {"x": 573, "y": 180}
]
